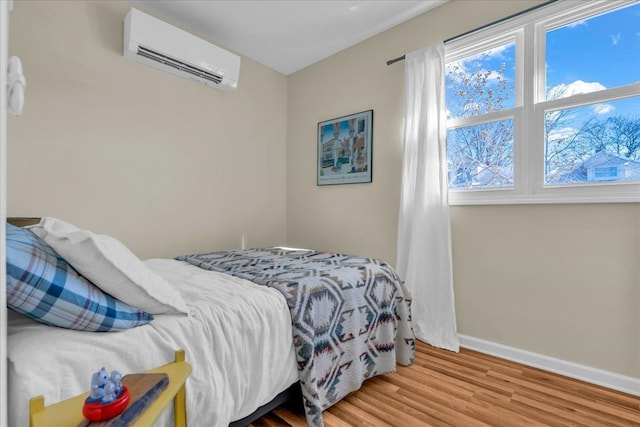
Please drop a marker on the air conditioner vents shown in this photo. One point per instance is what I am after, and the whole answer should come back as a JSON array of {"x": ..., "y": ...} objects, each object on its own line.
[
  {"x": 178, "y": 65},
  {"x": 168, "y": 48}
]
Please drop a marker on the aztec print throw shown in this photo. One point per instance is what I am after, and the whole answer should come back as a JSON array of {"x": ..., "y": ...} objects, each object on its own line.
[{"x": 351, "y": 315}]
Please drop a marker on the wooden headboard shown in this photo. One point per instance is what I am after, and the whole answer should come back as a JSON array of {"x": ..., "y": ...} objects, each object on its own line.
[{"x": 21, "y": 221}]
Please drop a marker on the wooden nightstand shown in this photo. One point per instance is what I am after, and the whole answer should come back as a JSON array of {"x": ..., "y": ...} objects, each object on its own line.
[{"x": 69, "y": 412}]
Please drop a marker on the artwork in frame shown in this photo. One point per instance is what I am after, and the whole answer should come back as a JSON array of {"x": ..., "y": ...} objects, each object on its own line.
[{"x": 344, "y": 149}]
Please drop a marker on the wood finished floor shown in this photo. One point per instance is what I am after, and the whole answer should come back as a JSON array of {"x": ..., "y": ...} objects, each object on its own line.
[{"x": 471, "y": 389}]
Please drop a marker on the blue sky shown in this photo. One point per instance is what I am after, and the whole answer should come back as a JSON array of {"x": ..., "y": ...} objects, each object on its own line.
[{"x": 603, "y": 49}]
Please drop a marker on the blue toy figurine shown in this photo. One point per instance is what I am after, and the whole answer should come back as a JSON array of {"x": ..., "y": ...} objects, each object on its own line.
[
  {"x": 116, "y": 378},
  {"x": 98, "y": 380},
  {"x": 108, "y": 396},
  {"x": 109, "y": 393}
]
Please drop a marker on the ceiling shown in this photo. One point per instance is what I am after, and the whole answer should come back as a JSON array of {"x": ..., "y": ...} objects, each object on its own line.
[{"x": 286, "y": 35}]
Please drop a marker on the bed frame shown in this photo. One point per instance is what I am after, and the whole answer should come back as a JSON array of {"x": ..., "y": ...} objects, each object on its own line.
[
  {"x": 22, "y": 221},
  {"x": 291, "y": 397}
]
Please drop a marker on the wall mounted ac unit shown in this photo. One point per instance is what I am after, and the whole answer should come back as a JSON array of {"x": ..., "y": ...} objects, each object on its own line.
[{"x": 168, "y": 48}]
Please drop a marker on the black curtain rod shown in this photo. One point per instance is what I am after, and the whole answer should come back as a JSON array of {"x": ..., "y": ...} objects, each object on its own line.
[
  {"x": 394, "y": 60},
  {"x": 402, "y": 58}
]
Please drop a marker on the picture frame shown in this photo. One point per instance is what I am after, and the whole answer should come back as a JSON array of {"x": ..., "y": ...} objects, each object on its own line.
[{"x": 345, "y": 146}]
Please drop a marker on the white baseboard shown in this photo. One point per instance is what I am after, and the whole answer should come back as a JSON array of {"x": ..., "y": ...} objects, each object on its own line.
[{"x": 601, "y": 377}]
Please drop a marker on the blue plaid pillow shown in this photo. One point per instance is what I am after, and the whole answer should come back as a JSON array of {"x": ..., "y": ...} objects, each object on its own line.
[{"x": 42, "y": 286}]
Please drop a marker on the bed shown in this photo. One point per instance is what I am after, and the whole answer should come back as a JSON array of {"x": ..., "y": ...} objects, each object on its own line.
[{"x": 236, "y": 313}]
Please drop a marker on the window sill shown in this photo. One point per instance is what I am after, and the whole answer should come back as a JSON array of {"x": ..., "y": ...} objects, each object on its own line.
[{"x": 619, "y": 193}]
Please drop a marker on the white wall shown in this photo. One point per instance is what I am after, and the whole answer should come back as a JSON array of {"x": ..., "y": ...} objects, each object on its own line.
[
  {"x": 164, "y": 164},
  {"x": 560, "y": 280}
]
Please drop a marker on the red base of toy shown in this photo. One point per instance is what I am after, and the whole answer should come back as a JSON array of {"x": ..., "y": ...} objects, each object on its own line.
[{"x": 96, "y": 411}]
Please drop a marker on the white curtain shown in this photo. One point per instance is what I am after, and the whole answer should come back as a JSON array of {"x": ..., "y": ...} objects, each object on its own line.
[{"x": 424, "y": 232}]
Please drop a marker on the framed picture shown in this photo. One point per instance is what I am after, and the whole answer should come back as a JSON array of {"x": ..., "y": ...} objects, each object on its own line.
[{"x": 344, "y": 149}]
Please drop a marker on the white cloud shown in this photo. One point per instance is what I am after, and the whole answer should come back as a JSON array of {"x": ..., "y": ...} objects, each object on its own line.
[
  {"x": 578, "y": 87},
  {"x": 463, "y": 66},
  {"x": 561, "y": 134},
  {"x": 578, "y": 23},
  {"x": 602, "y": 109},
  {"x": 615, "y": 39},
  {"x": 466, "y": 64},
  {"x": 491, "y": 54},
  {"x": 498, "y": 52},
  {"x": 564, "y": 90}
]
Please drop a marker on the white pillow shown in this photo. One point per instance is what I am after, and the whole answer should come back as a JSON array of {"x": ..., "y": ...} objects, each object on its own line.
[{"x": 111, "y": 266}]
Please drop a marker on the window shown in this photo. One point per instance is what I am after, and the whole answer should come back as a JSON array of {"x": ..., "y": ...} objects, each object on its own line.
[
  {"x": 480, "y": 106},
  {"x": 545, "y": 107},
  {"x": 605, "y": 174}
]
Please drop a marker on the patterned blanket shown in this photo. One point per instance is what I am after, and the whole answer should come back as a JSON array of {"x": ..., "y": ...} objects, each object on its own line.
[{"x": 351, "y": 315}]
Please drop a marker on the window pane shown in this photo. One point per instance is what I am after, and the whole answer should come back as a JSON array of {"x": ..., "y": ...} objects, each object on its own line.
[
  {"x": 594, "y": 143},
  {"x": 594, "y": 54},
  {"x": 481, "y": 83},
  {"x": 481, "y": 156}
]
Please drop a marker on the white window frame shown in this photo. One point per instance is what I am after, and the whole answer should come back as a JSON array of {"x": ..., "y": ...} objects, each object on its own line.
[{"x": 529, "y": 33}]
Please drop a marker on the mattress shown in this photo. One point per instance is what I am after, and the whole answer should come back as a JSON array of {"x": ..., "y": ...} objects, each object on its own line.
[{"x": 237, "y": 337}]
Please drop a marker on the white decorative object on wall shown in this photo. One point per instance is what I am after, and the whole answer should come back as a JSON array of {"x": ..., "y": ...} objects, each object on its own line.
[
  {"x": 168, "y": 48},
  {"x": 16, "y": 85}
]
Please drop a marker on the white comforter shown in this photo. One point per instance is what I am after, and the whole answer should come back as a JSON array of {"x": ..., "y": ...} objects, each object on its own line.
[{"x": 237, "y": 338}]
